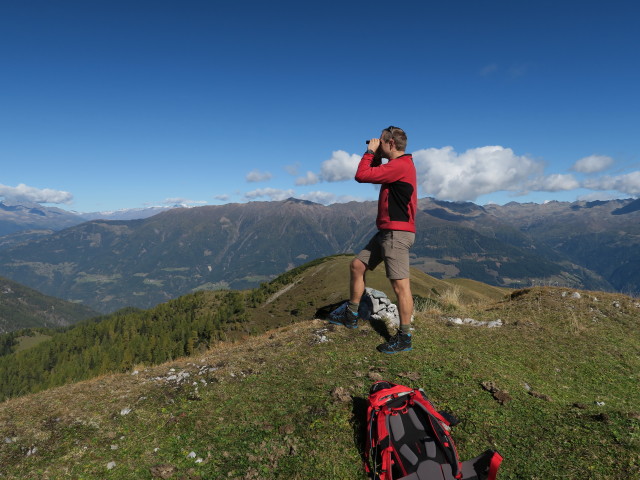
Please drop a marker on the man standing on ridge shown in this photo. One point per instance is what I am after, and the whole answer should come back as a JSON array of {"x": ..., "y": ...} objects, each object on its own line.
[{"x": 397, "y": 205}]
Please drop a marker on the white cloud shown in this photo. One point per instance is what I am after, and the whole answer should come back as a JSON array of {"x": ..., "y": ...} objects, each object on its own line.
[
  {"x": 595, "y": 196},
  {"x": 324, "y": 198},
  {"x": 274, "y": 194},
  {"x": 327, "y": 198},
  {"x": 556, "y": 182},
  {"x": 222, "y": 197},
  {"x": 269, "y": 193},
  {"x": 309, "y": 179},
  {"x": 592, "y": 164},
  {"x": 258, "y": 176},
  {"x": 628, "y": 183},
  {"x": 183, "y": 201},
  {"x": 31, "y": 194},
  {"x": 447, "y": 175},
  {"x": 340, "y": 167},
  {"x": 293, "y": 169}
]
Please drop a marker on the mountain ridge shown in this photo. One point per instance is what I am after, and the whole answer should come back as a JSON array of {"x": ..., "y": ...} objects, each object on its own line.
[
  {"x": 113, "y": 264},
  {"x": 21, "y": 216}
]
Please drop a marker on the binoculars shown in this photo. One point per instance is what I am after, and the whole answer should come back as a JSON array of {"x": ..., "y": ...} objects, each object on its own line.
[{"x": 377, "y": 156}]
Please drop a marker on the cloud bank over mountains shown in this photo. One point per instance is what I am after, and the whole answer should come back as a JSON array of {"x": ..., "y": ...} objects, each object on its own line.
[
  {"x": 443, "y": 173},
  {"x": 628, "y": 183},
  {"x": 446, "y": 174},
  {"x": 26, "y": 193}
]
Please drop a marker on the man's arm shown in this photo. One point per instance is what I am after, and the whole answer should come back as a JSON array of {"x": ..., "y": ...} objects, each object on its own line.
[{"x": 387, "y": 173}]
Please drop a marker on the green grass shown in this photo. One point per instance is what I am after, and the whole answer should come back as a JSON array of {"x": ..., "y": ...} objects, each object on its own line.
[
  {"x": 266, "y": 410},
  {"x": 27, "y": 341}
]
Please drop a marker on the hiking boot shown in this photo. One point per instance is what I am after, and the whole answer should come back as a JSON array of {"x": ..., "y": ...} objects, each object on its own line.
[
  {"x": 400, "y": 342},
  {"x": 344, "y": 316}
]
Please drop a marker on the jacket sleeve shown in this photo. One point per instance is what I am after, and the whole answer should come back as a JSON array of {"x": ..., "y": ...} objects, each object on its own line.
[{"x": 386, "y": 173}]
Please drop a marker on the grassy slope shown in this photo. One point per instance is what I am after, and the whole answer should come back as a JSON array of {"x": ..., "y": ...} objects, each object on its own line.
[
  {"x": 263, "y": 408},
  {"x": 471, "y": 290},
  {"x": 326, "y": 282},
  {"x": 73, "y": 354}
]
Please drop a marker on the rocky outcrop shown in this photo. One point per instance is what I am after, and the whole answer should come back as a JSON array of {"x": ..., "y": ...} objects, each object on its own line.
[{"x": 376, "y": 305}]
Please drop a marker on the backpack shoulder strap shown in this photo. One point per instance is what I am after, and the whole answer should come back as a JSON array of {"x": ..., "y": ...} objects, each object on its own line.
[
  {"x": 426, "y": 403},
  {"x": 440, "y": 428},
  {"x": 377, "y": 444}
]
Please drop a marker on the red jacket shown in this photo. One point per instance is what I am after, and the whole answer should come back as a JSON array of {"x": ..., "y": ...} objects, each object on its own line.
[{"x": 398, "y": 200}]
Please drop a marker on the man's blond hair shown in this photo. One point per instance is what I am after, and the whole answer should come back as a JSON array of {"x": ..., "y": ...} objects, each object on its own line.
[{"x": 398, "y": 136}]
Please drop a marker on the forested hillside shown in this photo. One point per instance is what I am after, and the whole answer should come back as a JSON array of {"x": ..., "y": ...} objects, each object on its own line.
[
  {"x": 22, "y": 307},
  {"x": 119, "y": 341}
]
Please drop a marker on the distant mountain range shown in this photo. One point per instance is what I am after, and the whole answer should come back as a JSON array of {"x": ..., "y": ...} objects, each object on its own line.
[
  {"x": 111, "y": 264},
  {"x": 18, "y": 217},
  {"x": 22, "y": 217}
]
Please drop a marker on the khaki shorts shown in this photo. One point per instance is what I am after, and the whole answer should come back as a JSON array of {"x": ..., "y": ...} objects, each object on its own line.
[{"x": 392, "y": 247}]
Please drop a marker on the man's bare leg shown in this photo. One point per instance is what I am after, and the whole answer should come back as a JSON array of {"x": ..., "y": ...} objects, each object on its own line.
[
  {"x": 402, "y": 288},
  {"x": 357, "y": 283},
  {"x": 347, "y": 313},
  {"x": 401, "y": 341}
]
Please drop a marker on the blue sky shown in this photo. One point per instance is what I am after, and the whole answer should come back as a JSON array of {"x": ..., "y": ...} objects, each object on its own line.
[{"x": 108, "y": 104}]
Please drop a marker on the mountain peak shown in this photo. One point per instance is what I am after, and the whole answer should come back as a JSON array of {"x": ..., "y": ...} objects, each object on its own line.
[{"x": 634, "y": 206}]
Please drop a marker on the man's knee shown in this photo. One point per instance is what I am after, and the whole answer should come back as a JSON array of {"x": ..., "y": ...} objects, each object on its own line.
[
  {"x": 401, "y": 287},
  {"x": 358, "y": 267}
]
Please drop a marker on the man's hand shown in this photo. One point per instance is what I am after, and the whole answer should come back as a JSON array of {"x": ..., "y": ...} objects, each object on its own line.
[{"x": 374, "y": 143}]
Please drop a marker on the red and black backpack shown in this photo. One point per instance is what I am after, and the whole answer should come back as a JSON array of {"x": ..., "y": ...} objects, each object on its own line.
[{"x": 409, "y": 439}]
